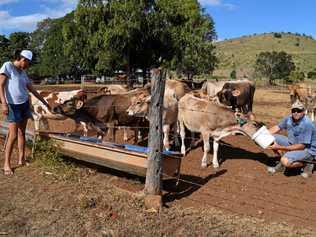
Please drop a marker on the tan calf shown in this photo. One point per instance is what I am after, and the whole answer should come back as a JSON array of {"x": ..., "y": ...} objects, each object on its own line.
[{"x": 211, "y": 120}]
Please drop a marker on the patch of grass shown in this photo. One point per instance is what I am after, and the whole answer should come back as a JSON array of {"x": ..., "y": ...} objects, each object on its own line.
[{"x": 53, "y": 162}]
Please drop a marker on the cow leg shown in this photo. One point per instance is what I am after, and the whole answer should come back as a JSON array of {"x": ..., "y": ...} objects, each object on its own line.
[
  {"x": 182, "y": 134},
  {"x": 139, "y": 135},
  {"x": 36, "y": 124},
  {"x": 206, "y": 143},
  {"x": 45, "y": 124},
  {"x": 166, "y": 130},
  {"x": 176, "y": 137},
  {"x": 85, "y": 128},
  {"x": 215, "y": 152},
  {"x": 125, "y": 134},
  {"x": 98, "y": 127}
]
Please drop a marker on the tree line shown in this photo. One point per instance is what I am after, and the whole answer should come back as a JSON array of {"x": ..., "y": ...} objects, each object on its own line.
[{"x": 99, "y": 37}]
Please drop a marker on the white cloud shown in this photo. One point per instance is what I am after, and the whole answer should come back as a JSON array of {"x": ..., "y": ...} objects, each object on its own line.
[
  {"x": 2, "y": 2},
  {"x": 217, "y": 3},
  {"x": 27, "y": 23},
  {"x": 210, "y": 2}
]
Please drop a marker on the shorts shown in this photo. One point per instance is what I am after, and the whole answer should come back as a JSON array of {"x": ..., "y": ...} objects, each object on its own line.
[
  {"x": 19, "y": 112},
  {"x": 292, "y": 156}
]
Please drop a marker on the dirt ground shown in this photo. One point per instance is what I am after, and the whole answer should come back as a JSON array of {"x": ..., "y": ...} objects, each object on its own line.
[{"x": 239, "y": 199}]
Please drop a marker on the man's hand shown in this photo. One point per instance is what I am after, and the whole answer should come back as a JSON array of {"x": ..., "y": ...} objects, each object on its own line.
[
  {"x": 4, "y": 109},
  {"x": 274, "y": 146}
]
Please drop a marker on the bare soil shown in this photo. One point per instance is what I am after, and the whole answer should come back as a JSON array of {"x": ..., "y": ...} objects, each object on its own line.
[{"x": 239, "y": 199}]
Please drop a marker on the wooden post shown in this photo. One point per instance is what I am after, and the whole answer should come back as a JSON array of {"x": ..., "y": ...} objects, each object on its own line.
[{"x": 155, "y": 144}]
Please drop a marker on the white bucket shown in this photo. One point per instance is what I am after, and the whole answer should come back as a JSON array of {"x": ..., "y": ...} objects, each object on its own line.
[{"x": 263, "y": 137}]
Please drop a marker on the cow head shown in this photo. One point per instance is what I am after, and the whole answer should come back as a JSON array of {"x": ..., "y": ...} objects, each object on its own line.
[
  {"x": 228, "y": 96},
  {"x": 139, "y": 106},
  {"x": 246, "y": 125},
  {"x": 69, "y": 107}
]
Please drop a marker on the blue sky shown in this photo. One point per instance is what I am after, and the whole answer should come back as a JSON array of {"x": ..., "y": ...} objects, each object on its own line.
[{"x": 233, "y": 18}]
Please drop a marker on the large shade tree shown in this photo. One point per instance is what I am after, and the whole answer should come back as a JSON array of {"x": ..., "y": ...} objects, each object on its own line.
[
  {"x": 274, "y": 65},
  {"x": 48, "y": 44},
  {"x": 130, "y": 34},
  {"x": 4, "y": 49}
]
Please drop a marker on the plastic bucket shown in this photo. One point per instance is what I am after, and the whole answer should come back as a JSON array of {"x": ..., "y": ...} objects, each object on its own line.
[{"x": 263, "y": 137}]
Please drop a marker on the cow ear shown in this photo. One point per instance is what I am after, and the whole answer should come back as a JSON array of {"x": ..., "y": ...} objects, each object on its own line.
[
  {"x": 79, "y": 104},
  {"x": 236, "y": 92}
]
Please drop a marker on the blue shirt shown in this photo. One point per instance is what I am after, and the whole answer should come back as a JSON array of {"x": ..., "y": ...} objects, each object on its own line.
[
  {"x": 301, "y": 132},
  {"x": 15, "y": 88}
]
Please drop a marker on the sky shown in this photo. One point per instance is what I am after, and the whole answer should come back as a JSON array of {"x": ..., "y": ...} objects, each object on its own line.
[{"x": 233, "y": 18}]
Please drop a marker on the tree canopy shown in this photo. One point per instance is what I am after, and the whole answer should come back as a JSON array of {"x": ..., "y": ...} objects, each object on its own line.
[
  {"x": 103, "y": 36},
  {"x": 274, "y": 65}
]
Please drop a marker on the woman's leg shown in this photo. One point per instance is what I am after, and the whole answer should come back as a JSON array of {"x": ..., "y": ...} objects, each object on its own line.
[
  {"x": 12, "y": 135},
  {"x": 21, "y": 141}
]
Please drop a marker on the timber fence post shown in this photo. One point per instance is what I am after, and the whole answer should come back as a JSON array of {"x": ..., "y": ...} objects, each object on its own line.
[{"x": 155, "y": 144}]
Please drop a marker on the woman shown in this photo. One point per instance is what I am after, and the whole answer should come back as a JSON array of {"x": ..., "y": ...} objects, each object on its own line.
[{"x": 14, "y": 87}]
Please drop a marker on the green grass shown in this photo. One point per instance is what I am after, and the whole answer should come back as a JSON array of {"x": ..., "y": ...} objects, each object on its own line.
[
  {"x": 240, "y": 53},
  {"x": 53, "y": 162}
]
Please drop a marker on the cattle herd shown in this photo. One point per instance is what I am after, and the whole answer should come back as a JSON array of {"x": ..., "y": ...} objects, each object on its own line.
[{"x": 216, "y": 109}]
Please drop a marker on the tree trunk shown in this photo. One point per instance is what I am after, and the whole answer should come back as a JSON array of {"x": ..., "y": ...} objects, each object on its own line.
[{"x": 155, "y": 144}]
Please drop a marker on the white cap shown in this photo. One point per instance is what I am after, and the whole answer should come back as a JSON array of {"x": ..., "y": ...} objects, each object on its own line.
[
  {"x": 298, "y": 105},
  {"x": 27, "y": 54}
]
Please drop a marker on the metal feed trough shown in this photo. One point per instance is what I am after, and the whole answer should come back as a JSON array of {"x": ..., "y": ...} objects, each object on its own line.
[{"x": 124, "y": 157}]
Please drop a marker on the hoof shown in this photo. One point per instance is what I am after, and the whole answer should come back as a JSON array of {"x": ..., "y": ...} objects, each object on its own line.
[
  {"x": 183, "y": 151},
  {"x": 215, "y": 166},
  {"x": 204, "y": 166}
]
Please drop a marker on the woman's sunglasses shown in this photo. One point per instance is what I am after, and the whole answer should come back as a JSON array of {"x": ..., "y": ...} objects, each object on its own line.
[{"x": 297, "y": 110}]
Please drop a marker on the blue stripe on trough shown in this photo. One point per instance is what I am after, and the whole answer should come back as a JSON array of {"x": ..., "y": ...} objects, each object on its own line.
[{"x": 124, "y": 146}]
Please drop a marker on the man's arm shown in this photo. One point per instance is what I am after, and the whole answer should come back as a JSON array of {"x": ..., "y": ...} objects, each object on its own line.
[
  {"x": 293, "y": 147},
  {"x": 274, "y": 129},
  {"x": 4, "y": 106},
  {"x": 37, "y": 95}
]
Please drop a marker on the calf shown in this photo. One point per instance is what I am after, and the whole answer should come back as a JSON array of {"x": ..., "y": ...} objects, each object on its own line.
[
  {"x": 174, "y": 90},
  {"x": 211, "y": 120},
  {"x": 103, "y": 111},
  {"x": 40, "y": 112}
]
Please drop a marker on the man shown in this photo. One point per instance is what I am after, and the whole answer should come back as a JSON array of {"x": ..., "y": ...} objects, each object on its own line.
[
  {"x": 14, "y": 97},
  {"x": 300, "y": 143}
]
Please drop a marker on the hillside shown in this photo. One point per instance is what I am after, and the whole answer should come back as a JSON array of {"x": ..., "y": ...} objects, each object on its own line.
[{"x": 240, "y": 53}]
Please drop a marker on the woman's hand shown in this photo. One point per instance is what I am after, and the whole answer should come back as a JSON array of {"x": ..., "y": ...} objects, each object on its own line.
[
  {"x": 4, "y": 109},
  {"x": 48, "y": 106}
]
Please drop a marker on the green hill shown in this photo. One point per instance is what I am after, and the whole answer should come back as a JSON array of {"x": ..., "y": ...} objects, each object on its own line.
[{"x": 240, "y": 53}]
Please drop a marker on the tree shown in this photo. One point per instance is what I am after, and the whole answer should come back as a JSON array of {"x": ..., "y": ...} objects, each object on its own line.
[
  {"x": 4, "y": 49},
  {"x": 19, "y": 40},
  {"x": 48, "y": 44},
  {"x": 131, "y": 34},
  {"x": 296, "y": 76},
  {"x": 274, "y": 65},
  {"x": 233, "y": 74}
]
